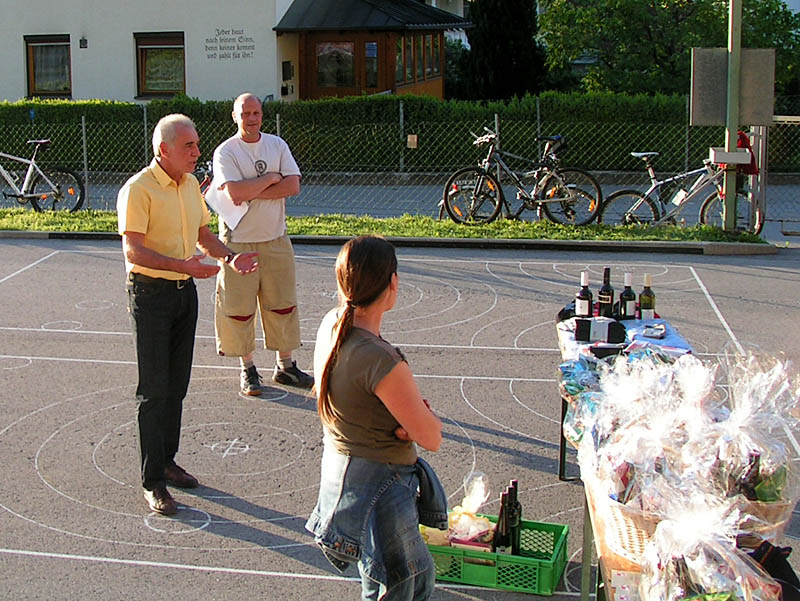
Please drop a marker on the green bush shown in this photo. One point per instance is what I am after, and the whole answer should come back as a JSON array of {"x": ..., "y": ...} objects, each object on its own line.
[{"x": 366, "y": 133}]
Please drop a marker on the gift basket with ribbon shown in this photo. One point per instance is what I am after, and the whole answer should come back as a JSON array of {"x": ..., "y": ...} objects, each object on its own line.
[{"x": 659, "y": 431}]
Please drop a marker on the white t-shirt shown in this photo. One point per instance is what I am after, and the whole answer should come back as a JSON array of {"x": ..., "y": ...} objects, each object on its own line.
[{"x": 236, "y": 160}]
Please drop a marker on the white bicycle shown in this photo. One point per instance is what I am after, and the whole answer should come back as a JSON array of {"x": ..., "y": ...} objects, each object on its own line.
[{"x": 47, "y": 188}]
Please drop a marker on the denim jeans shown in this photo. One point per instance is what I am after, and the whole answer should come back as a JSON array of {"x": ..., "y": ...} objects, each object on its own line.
[
  {"x": 367, "y": 513},
  {"x": 164, "y": 318}
]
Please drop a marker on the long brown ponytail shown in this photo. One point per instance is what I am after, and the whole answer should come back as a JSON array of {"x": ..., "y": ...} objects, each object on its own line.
[{"x": 364, "y": 270}]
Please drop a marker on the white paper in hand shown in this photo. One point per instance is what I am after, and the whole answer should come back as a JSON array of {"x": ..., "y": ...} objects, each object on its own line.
[{"x": 220, "y": 201}]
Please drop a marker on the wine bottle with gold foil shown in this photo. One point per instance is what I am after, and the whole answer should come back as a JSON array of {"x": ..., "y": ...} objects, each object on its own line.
[{"x": 647, "y": 299}]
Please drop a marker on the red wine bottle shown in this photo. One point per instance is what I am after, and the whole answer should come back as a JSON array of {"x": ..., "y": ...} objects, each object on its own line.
[
  {"x": 627, "y": 300},
  {"x": 605, "y": 296},
  {"x": 514, "y": 517},
  {"x": 501, "y": 543},
  {"x": 583, "y": 298}
]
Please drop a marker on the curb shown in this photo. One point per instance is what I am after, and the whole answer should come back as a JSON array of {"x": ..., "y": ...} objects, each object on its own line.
[{"x": 644, "y": 246}]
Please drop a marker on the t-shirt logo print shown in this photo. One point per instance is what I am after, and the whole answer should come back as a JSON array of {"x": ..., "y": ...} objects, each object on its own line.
[{"x": 261, "y": 167}]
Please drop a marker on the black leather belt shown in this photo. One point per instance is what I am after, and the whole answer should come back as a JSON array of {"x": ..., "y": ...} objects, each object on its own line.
[{"x": 146, "y": 279}]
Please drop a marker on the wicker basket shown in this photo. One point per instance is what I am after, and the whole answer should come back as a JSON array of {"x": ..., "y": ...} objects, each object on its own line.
[
  {"x": 627, "y": 530},
  {"x": 762, "y": 521}
]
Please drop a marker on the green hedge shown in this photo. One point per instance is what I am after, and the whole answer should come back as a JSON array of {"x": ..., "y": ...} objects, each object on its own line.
[
  {"x": 365, "y": 134},
  {"x": 592, "y": 107}
]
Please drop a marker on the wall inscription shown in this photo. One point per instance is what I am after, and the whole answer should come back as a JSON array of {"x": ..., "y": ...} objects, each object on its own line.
[{"x": 230, "y": 44}]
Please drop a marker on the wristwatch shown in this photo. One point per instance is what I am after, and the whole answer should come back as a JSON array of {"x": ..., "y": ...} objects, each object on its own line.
[{"x": 229, "y": 257}]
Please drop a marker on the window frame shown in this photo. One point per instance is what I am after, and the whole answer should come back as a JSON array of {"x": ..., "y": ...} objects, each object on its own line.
[
  {"x": 409, "y": 58},
  {"x": 157, "y": 40},
  {"x": 419, "y": 57},
  {"x": 371, "y": 61},
  {"x": 33, "y": 41}
]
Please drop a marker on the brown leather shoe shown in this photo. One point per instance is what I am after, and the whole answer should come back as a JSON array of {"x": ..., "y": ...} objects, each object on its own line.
[
  {"x": 175, "y": 475},
  {"x": 160, "y": 501}
]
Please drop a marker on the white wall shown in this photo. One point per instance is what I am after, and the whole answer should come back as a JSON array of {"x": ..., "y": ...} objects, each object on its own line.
[{"x": 107, "y": 68}]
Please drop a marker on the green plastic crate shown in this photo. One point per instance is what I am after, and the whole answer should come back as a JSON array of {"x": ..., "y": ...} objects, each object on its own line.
[{"x": 537, "y": 570}]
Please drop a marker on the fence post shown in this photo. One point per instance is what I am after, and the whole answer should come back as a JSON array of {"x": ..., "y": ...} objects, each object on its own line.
[
  {"x": 686, "y": 151},
  {"x": 538, "y": 126},
  {"x": 85, "y": 161},
  {"x": 497, "y": 133},
  {"x": 402, "y": 137},
  {"x": 278, "y": 124},
  {"x": 144, "y": 120}
]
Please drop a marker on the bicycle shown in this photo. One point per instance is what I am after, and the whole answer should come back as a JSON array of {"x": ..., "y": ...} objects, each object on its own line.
[
  {"x": 51, "y": 188},
  {"x": 627, "y": 207},
  {"x": 204, "y": 174},
  {"x": 473, "y": 195}
]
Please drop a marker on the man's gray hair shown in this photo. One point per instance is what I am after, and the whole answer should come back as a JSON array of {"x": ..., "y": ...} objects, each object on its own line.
[{"x": 167, "y": 130}]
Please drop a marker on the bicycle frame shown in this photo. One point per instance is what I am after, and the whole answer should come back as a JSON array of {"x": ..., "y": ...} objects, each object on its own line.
[
  {"x": 529, "y": 199},
  {"x": 33, "y": 169},
  {"x": 706, "y": 175}
]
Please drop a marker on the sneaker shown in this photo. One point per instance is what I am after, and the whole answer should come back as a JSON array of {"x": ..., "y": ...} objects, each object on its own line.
[
  {"x": 251, "y": 381},
  {"x": 292, "y": 376}
]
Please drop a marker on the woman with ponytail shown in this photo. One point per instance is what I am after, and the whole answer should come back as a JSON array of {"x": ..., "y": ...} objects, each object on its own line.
[{"x": 372, "y": 415}]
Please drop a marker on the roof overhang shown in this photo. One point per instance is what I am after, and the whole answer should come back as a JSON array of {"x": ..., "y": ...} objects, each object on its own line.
[{"x": 373, "y": 15}]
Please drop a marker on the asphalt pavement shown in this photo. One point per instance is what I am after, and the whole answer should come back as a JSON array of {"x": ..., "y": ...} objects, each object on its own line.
[{"x": 477, "y": 325}]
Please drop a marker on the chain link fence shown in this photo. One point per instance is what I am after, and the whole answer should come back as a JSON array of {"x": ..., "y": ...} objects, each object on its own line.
[{"x": 385, "y": 170}]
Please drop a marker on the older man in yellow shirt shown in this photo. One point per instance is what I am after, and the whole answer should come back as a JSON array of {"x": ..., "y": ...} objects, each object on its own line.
[{"x": 162, "y": 220}]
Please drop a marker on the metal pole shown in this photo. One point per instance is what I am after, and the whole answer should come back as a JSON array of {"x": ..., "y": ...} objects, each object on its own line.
[
  {"x": 538, "y": 126},
  {"x": 732, "y": 114},
  {"x": 85, "y": 161},
  {"x": 146, "y": 141},
  {"x": 278, "y": 124},
  {"x": 402, "y": 136},
  {"x": 686, "y": 149}
]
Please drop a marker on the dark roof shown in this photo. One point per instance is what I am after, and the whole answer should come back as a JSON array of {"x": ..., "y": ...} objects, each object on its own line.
[{"x": 322, "y": 15}]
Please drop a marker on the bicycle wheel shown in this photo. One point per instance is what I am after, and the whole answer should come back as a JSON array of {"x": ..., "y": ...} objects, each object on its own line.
[
  {"x": 711, "y": 213},
  {"x": 580, "y": 193},
  {"x": 472, "y": 196},
  {"x": 628, "y": 207},
  {"x": 66, "y": 195}
]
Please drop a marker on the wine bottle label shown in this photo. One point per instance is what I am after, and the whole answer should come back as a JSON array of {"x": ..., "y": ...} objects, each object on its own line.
[
  {"x": 599, "y": 331},
  {"x": 605, "y": 298},
  {"x": 630, "y": 307},
  {"x": 648, "y": 314},
  {"x": 582, "y": 307}
]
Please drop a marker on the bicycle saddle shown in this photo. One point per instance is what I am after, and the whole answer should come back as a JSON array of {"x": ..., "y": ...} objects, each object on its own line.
[
  {"x": 644, "y": 155},
  {"x": 44, "y": 143}
]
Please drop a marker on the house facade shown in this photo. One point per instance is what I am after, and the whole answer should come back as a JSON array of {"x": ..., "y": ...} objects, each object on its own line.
[{"x": 278, "y": 49}]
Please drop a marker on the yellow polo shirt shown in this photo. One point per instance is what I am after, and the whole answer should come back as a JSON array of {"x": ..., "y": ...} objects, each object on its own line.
[{"x": 167, "y": 213}]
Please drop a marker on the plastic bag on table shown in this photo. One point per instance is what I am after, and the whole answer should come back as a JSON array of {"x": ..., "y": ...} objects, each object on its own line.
[
  {"x": 752, "y": 450},
  {"x": 652, "y": 410},
  {"x": 577, "y": 376},
  {"x": 581, "y": 417},
  {"x": 695, "y": 554}
]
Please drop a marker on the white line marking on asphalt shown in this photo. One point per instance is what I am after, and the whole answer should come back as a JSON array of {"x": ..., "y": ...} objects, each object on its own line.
[
  {"x": 176, "y": 566},
  {"x": 34, "y": 264},
  {"x": 739, "y": 347},
  {"x": 237, "y": 368},
  {"x": 215, "y": 569},
  {"x": 716, "y": 309}
]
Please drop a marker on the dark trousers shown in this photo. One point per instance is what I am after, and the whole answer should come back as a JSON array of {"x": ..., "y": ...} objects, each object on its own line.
[{"x": 164, "y": 318}]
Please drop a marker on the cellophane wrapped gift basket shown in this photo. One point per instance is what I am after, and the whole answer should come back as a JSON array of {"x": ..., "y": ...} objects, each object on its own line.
[{"x": 666, "y": 444}]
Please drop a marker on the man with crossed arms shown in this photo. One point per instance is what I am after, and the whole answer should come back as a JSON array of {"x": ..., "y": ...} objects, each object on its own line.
[{"x": 258, "y": 169}]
